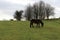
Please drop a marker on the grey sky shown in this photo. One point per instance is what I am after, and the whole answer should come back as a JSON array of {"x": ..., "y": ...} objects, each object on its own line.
[{"x": 8, "y": 7}]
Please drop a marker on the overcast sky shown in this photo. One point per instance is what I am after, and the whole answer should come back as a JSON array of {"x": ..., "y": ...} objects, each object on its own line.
[{"x": 8, "y": 7}]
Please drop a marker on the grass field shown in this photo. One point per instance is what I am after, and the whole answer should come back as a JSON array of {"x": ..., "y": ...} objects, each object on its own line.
[{"x": 15, "y": 30}]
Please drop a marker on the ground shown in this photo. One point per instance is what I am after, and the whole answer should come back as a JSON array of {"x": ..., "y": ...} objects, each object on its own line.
[{"x": 20, "y": 30}]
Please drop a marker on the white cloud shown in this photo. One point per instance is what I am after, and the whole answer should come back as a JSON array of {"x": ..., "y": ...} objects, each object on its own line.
[
  {"x": 23, "y": 2},
  {"x": 8, "y": 7},
  {"x": 7, "y": 10},
  {"x": 57, "y": 11},
  {"x": 4, "y": 15}
]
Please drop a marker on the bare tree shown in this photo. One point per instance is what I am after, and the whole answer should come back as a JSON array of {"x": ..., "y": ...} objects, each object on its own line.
[
  {"x": 41, "y": 10},
  {"x": 45, "y": 10},
  {"x": 35, "y": 10},
  {"x": 49, "y": 11},
  {"x": 28, "y": 12}
]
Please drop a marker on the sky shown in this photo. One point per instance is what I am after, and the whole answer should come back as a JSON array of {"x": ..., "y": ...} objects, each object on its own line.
[{"x": 8, "y": 7}]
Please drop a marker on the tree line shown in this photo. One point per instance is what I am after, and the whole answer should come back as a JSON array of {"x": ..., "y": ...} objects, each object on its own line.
[{"x": 39, "y": 10}]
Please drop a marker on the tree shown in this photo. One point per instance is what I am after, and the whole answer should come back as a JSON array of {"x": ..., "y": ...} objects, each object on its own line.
[
  {"x": 35, "y": 10},
  {"x": 49, "y": 11},
  {"x": 41, "y": 10},
  {"x": 28, "y": 12},
  {"x": 45, "y": 10},
  {"x": 18, "y": 15}
]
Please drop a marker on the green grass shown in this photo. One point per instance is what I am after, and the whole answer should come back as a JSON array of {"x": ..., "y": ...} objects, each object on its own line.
[{"x": 15, "y": 30}]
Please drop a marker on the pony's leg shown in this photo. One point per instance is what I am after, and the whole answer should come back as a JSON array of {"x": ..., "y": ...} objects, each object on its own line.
[
  {"x": 42, "y": 24},
  {"x": 38, "y": 25},
  {"x": 30, "y": 24}
]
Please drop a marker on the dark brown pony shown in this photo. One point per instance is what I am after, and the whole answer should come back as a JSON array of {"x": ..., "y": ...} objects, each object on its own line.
[{"x": 36, "y": 21}]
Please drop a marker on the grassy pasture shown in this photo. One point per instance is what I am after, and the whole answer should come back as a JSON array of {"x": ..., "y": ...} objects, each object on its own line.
[{"x": 19, "y": 30}]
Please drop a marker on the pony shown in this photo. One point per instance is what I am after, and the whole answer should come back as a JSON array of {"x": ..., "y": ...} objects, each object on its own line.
[{"x": 36, "y": 21}]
